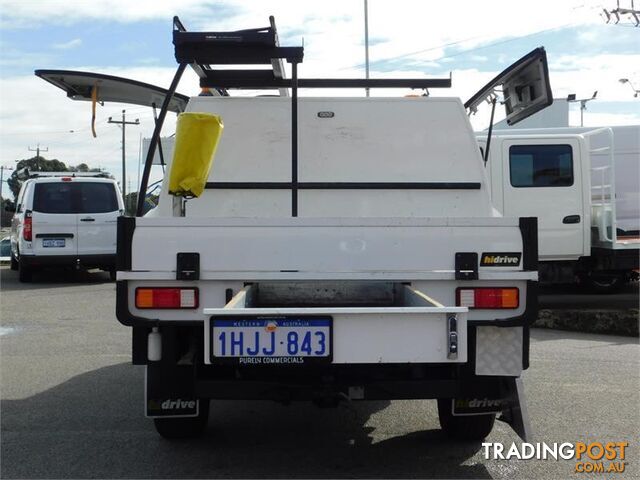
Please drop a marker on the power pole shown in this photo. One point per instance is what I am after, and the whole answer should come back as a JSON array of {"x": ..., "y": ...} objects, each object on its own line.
[
  {"x": 366, "y": 42},
  {"x": 123, "y": 123},
  {"x": 37, "y": 150}
]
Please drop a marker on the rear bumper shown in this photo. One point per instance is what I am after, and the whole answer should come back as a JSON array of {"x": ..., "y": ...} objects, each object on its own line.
[
  {"x": 362, "y": 382},
  {"x": 87, "y": 261}
]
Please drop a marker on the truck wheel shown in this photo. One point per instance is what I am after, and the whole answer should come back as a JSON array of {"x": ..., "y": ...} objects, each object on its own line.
[
  {"x": 604, "y": 283},
  {"x": 24, "y": 273},
  {"x": 189, "y": 427},
  {"x": 469, "y": 427}
]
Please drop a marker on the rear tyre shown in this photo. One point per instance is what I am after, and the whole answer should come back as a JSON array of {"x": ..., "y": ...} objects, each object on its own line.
[
  {"x": 189, "y": 427},
  {"x": 468, "y": 427},
  {"x": 14, "y": 263},
  {"x": 24, "y": 273}
]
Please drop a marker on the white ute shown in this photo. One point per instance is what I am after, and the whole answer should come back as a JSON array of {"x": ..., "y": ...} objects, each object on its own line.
[
  {"x": 582, "y": 184},
  {"x": 343, "y": 249}
]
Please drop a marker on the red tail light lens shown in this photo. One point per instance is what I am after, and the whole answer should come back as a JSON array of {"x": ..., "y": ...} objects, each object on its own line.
[
  {"x": 488, "y": 298},
  {"x": 27, "y": 227},
  {"x": 166, "y": 297}
]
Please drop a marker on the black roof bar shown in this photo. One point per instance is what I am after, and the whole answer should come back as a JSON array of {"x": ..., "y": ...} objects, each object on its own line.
[
  {"x": 276, "y": 63},
  {"x": 263, "y": 79},
  {"x": 197, "y": 67}
]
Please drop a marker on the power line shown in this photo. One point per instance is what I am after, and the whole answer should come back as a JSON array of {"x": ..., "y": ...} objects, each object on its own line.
[{"x": 470, "y": 50}]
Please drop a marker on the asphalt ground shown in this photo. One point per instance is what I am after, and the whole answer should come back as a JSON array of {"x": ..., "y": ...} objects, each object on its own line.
[{"x": 72, "y": 407}]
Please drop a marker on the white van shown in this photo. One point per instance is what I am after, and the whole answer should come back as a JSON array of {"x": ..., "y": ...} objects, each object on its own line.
[{"x": 65, "y": 219}]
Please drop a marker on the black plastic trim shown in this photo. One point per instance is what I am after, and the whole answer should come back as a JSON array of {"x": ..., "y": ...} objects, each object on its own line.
[
  {"x": 54, "y": 235},
  {"x": 126, "y": 227},
  {"x": 345, "y": 185},
  {"x": 100, "y": 261},
  {"x": 187, "y": 266},
  {"x": 139, "y": 339},
  {"x": 571, "y": 219},
  {"x": 466, "y": 265},
  {"x": 529, "y": 232}
]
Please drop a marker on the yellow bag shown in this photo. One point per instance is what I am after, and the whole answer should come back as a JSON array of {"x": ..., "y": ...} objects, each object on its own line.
[{"x": 197, "y": 137}]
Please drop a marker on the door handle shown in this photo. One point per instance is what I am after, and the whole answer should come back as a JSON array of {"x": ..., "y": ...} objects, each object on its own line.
[
  {"x": 571, "y": 219},
  {"x": 87, "y": 219}
]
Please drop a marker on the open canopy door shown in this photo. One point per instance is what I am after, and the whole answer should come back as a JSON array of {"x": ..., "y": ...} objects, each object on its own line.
[
  {"x": 79, "y": 86},
  {"x": 525, "y": 87}
]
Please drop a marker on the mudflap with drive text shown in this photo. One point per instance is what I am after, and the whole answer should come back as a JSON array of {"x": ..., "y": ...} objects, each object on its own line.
[
  {"x": 170, "y": 391},
  {"x": 510, "y": 403}
]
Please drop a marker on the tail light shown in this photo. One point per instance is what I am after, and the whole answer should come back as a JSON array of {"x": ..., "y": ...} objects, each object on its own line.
[
  {"x": 27, "y": 226},
  {"x": 166, "y": 297},
  {"x": 488, "y": 297}
]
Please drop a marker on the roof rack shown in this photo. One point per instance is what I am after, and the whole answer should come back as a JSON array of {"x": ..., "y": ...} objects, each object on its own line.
[
  {"x": 258, "y": 46},
  {"x": 25, "y": 174}
]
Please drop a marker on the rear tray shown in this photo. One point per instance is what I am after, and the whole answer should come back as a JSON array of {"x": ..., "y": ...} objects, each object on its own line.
[{"x": 401, "y": 325}]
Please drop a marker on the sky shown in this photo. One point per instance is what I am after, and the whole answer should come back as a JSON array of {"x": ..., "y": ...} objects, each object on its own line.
[{"x": 468, "y": 39}]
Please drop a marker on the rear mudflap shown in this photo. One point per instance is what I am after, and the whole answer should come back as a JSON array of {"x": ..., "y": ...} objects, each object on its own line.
[
  {"x": 510, "y": 403},
  {"x": 170, "y": 391}
]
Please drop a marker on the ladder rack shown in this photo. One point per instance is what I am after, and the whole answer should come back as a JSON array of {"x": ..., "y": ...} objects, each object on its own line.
[
  {"x": 25, "y": 174},
  {"x": 258, "y": 46}
]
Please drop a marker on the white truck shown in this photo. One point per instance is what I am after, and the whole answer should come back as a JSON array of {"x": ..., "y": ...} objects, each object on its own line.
[
  {"x": 583, "y": 185},
  {"x": 343, "y": 249}
]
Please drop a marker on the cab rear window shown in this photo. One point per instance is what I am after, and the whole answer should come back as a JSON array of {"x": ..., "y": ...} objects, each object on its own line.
[
  {"x": 79, "y": 197},
  {"x": 541, "y": 166}
]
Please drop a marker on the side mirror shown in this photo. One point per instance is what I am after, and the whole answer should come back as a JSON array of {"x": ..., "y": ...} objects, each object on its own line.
[{"x": 10, "y": 207}]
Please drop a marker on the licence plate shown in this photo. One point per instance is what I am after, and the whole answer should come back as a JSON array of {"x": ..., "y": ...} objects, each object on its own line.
[
  {"x": 53, "y": 242},
  {"x": 265, "y": 341}
]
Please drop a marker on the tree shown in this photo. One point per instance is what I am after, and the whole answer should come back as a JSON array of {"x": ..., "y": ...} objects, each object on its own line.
[
  {"x": 131, "y": 202},
  {"x": 5, "y": 217},
  {"x": 39, "y": 164}
]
